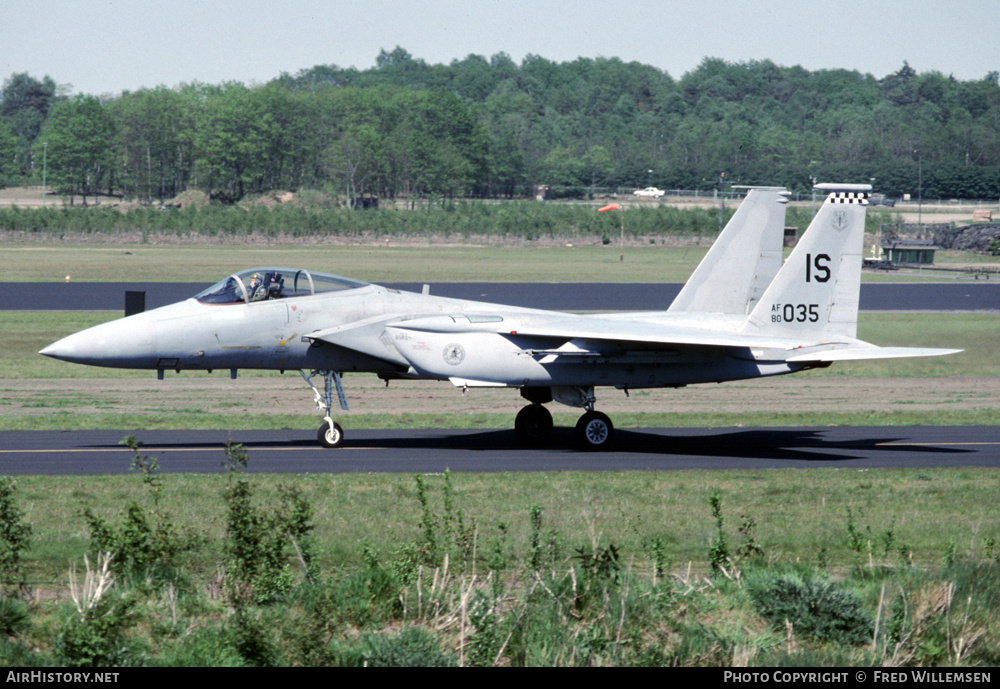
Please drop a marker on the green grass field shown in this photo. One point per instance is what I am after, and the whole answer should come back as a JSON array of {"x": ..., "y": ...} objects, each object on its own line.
[
  {"x": 576, "y": 568},
  {"x": 797, "y": 513},
  {"x": 209, "y": 263},
  {"x": 514, "y": 262}
]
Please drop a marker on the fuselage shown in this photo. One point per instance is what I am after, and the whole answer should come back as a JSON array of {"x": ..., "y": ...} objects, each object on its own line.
[{"x": 466, "y": 342}]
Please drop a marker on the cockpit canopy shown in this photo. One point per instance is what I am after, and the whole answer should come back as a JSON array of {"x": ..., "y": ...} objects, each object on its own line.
[{"x": 261, "y": 284}]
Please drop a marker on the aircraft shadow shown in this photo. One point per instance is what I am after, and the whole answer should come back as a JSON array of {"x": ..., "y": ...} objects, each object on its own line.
[{"x": 777, "y": 444}]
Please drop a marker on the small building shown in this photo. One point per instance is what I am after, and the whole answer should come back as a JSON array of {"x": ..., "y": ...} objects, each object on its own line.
[{"x": 915, "y": 252}]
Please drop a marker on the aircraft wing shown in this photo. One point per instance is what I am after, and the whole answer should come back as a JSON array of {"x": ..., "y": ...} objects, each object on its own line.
[
  {"x": 565, "y": 327},
  {"x": 551, "y": 333},
  {"x": 811, "y": 351}
]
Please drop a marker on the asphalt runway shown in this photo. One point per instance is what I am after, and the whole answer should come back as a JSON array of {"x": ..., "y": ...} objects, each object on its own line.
[
  {"x": 981, "y": 295},
  {"x": 429, "y": 451}
]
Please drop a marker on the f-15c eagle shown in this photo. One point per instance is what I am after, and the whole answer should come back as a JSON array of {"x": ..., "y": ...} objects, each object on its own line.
[{"x": 741, "y": 315}]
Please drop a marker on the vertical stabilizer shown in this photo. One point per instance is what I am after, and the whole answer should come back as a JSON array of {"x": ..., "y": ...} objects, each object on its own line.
[
  {"x": 815, "y": 294},
  {"x": 743, "y": 260}
]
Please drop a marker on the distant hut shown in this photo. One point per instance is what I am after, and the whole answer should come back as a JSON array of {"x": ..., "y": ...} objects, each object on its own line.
[{"x": 910, "y": 252}]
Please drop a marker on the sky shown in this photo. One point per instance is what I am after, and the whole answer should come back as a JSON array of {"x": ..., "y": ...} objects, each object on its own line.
[{"x": 104, "y": 47}]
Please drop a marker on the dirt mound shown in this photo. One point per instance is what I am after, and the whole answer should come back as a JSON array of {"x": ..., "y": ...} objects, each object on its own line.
[
  {"x": 270, "y": 200},
  {"x": 193, "y": 197}
]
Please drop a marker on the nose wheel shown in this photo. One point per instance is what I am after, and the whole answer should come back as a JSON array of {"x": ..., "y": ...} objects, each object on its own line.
[{"x": 330, "y": 434}]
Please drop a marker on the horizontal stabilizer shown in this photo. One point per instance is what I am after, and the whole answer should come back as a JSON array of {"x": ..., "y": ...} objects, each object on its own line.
[{"x": 863, "y": 353}]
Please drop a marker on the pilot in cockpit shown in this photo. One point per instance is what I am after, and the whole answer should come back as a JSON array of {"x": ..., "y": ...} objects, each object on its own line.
[{"x": 257, "y": 290}]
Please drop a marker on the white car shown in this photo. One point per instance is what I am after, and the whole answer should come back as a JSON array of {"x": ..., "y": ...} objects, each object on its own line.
[{"x": 651, "y": 192}]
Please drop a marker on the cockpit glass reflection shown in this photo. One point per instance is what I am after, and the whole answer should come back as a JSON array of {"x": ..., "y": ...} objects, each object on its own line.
[{"x": 263, "y": 284}]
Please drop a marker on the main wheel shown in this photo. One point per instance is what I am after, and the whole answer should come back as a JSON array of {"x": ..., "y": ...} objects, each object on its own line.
[
  {"x": 594, "y": 431},
  {"x": 533, "y": 425},
  {"x": 330, "y": 434}
]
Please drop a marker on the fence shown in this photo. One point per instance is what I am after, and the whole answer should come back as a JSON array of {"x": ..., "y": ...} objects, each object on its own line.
[{"x": 730, "y": 194}]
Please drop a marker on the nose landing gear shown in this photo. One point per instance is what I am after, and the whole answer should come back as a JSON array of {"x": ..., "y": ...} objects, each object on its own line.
[{"x": 330, "y": 433}]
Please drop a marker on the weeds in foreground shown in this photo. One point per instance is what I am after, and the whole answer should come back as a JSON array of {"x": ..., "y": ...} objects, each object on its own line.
[
  {"x": 459, "y": 594},
  {"x": 141, "y": 545},
  {"x": 257, "y": 565},
  {"x": 15, "y": 536}
]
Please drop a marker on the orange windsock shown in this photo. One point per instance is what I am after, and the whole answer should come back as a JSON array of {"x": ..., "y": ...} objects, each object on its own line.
[{"x": 609, "y": 207}]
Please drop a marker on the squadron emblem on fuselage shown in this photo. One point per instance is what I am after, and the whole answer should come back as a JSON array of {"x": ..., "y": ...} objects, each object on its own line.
[{"x": 454, "y": 354}]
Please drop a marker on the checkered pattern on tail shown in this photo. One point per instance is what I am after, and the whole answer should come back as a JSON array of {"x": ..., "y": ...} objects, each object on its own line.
[{"x": 848, "y": 197}]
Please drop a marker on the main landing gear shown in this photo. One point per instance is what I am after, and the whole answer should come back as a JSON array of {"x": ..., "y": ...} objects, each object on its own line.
[
  {"x": 594, "y": 431},
  {"x": 533, "y": 424},
  {"x": 330, "y": 433}
]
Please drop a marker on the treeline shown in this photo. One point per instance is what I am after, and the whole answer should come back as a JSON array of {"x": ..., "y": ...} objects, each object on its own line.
[
  {"x": 313, "y": 215},
  {"x": 493, "y": 128},
  {"x": 316, "y": 214}
]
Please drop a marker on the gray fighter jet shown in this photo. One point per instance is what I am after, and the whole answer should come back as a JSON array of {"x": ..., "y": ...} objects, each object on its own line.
[{"x": 741, "y": 315}]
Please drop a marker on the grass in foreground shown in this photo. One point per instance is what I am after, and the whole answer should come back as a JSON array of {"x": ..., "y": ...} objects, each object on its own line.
[
  {"x": 755, "y": 568},
  {"x": 929, "y": 508}
]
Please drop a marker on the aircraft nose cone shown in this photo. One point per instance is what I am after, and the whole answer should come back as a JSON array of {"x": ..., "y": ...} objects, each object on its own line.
[
  {"x": 54, "y": 350},
  {"x": 65, "y": 349},
  {"x": 123, "y": 343}
]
